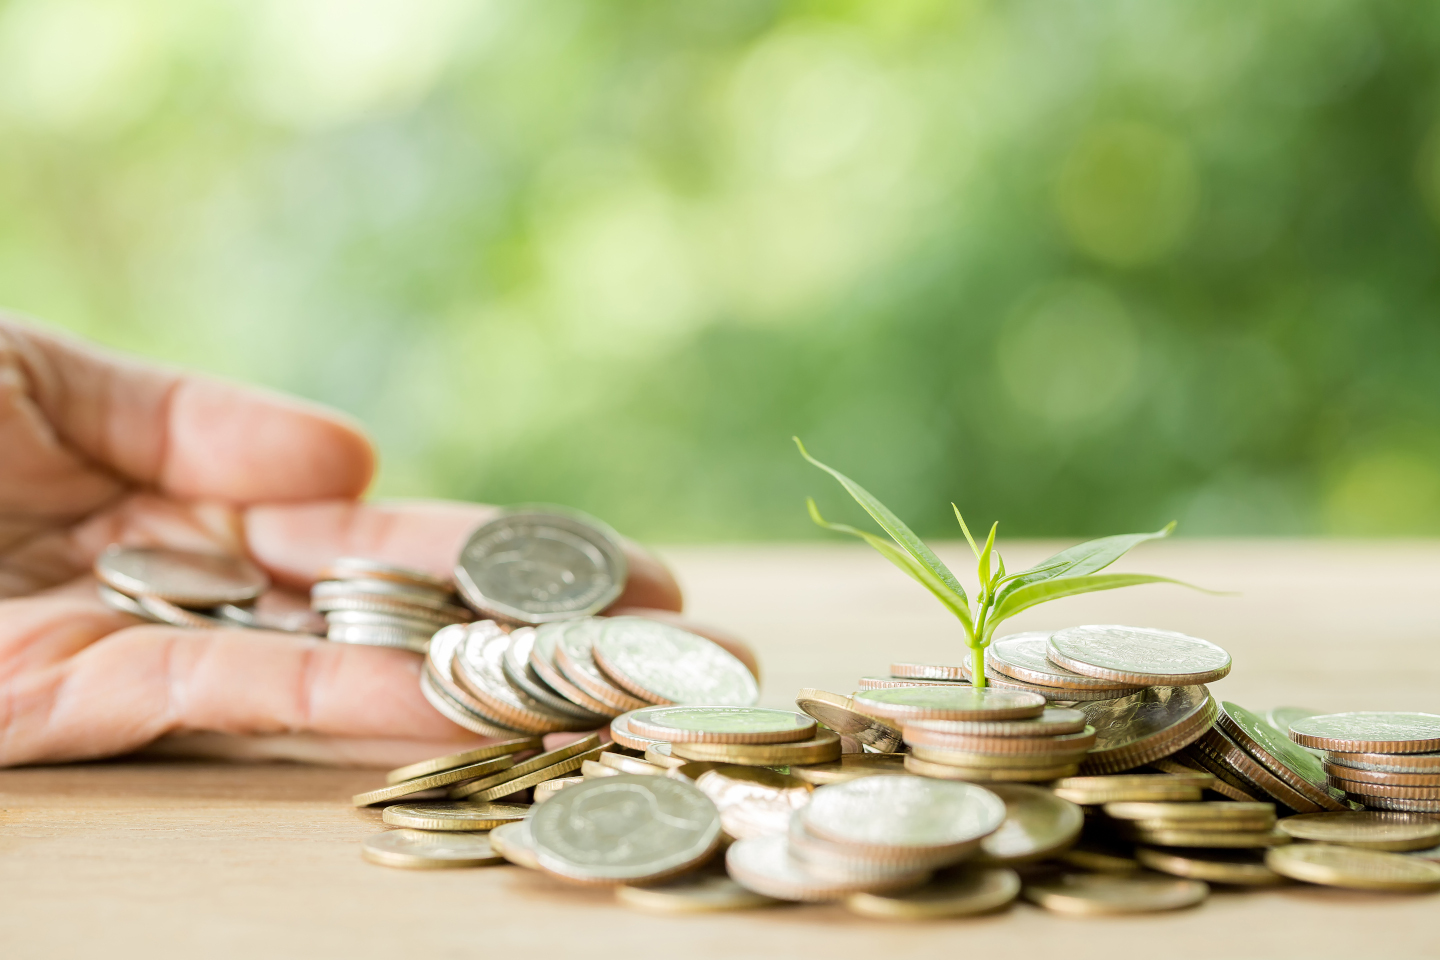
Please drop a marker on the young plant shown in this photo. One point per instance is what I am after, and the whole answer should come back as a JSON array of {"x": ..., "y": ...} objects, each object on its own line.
[{"x": 1002, "y": 595}]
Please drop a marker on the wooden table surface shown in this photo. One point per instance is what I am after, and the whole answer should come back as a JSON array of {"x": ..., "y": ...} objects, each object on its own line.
[{"x": 133, "y": 859}]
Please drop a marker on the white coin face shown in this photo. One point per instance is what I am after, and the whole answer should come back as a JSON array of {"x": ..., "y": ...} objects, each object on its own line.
[
  {"x": 904, "y": 811},
  {"x": 1140, "y": 651},
  {"x": 1372, "y": 726},
  {"x": 674, "y": 664}
]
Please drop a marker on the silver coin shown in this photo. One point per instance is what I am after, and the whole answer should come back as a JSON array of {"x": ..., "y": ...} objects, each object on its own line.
[
  {"x": 1021, "y": 656},
  {"x": 437, "y": 682},
  {"x": 183, "y": 577},
  {"x": 1138, "y": 655},
  {"x": 477, "y": 667},
  {"x": 768, "y": 866},
  {"x": 163, "y": 611},
  {"x": 514, "y": 842},
  {"x": 239, "y": 616},
  {"x": 542, "y": 658},
  {"x": 575, "y": 656},
  {"x": 623, "y": 829},
  {"x": 429, "y": 849},
  {"x": 116, "y": 600},
  {"x": 1372, "y": 731},
  {"x": 534, "y": 566},
  {"x": 379, "y": 637},
  {"x": 521, "y": 674},
  {"x": 904, "y": 813},
  {"x": 388, "y": 589},
  {"x": 672, "y": 664}
]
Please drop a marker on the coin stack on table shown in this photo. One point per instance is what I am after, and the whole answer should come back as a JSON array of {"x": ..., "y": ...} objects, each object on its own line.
[
  {"x": 381, "y": 605},
  {"x": 1387, "y": 761}
]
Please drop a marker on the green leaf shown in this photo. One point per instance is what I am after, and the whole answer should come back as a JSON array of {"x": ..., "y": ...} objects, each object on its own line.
[
  {"x": 968, "y": 539},
  {"x": 1091, "y": 556},
  {"x": 985, "y": 555},
  {"x": 1029, "y": 595},
  {"x": 954, "y": 601},
  {"x": 892, "y": 525}
]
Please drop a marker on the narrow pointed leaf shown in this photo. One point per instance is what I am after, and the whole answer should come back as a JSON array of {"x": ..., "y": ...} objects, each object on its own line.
[
  {"x": 1029, "y": 595},
  {"x": 955, "y": 602},
  {"x": 1092, "y": 556},
  {"x": 892, "y": 525},
  {"x": 985, "y": 554},
  {"x": 968, "y": 539}
]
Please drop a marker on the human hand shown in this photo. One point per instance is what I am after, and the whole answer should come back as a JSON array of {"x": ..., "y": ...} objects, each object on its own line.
[{"x": 99, "y": 449}]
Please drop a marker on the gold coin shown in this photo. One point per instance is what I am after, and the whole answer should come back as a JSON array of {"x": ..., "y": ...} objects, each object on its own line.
[
  {"x": 850, "y": 766},
  {"x": 1128, "y": 787},
  {"x": 1337, "y": 866},
  {"x": 1088, "y": 857},
  {"x": 514, "y": 842},
  {"x": 395, "y": 791},
  {"x": 1369, "y": 732},
  {"x": 1037, "y": 825},
  {"x": 544, "y": 791},
  {"x": 1067, "y": 746},
  {"x": 1244, "y": 869},
  {"x": 568, "y": 765},
  {"x": 1207, "y": 810},
  {"x": 1097, "y": 894},
  {"x": 625, "y": 764},
  {"x": 926, "y": 671},
  {"x": 693, "y": 893},
  {"x": 424, "y": 850},
  {"x": 1382, "y": 776},
  {"x": 1007, "y": 761},
  {"x": 451, "y": 761},
  {"x": 721, "y": 724},
  {"x": 1227, "y": 784},
  {"x": 1144, "y": 726},
  {"x": 1224, "y": 751},
  {"x": 956, "y": 702},
  {"x": 961, "y": 893},
  {"x": 451, "y": 816},
  {"x": 838, "y": 712},
  {"x": 824, "y": 747},
  {"x": 590, "y": 769},
  {"x": 1361, "y": 789},
  {"x": 660, "y": 755},
  {"x": 1220, "y": 839},
  {"x": 1369, "y": 829},
  {"x": 583, "y": 745},
  {"x": 1053, "y": 722},
  {"x": 945, "y": 771},
  {"x": 1208, "y": 826}
]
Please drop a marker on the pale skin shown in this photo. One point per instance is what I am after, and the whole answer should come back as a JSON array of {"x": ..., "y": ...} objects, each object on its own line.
[{"x": 98, "y": 449}]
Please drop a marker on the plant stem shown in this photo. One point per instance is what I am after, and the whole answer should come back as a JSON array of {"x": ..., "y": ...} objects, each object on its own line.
[{"x": 977, "y": 666}]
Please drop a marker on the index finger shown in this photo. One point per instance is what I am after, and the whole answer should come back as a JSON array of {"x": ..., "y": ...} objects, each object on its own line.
[{"x": 295, "y": 542}]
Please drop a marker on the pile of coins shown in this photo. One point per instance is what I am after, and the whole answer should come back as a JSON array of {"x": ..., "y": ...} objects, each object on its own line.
[
  {"x": 381, "y": 605},
  {"x": 1387, "y": 761}
]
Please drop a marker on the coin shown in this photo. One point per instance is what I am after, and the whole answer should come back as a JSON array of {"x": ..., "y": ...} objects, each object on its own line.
[
  {"x": 949, "y": 703},
  {"x": 575, "y": 656},
  {"x": 838, "y": 713},
  {"x": 544, "y": 761},
  {"x": 547, "y": 789},
  {"x": 1214, "y": 866},
  {"x": 1177, "y": 813},
  {"x": 438, "y": 684},
  {"x": 1137, "y": 787},
  {"x": 419, "y": 603},
  {"x": 478, "y": 668},
  {"x": 850, "y": 766},
  {"x": 590, "y": 769},
  {"x": 1299, "y": 768},
  {"x": 462, "y": 759},
  {"x": 1368, "y": 829},
  {"x": 163, "y": 611},
  {"x": 1361, "y": 790},
  {"x": 122, "y": 602},
  {"x": 1068, "y": 744},
  {"x": 515, "y": 662},
  {"x": 180, "y": 576},
  {"x": 664, "y": 664},
  {"x": 1372, "y": 732},
  {"x": 659, "y": 754},
  {"x": 1227, "y": 782},
  {"x": 996, "y": 680},
  {"x": 885, "y": 816},
  {"x": 961, "y": 893},
  {"x": 624, "y": 764},
  {"x": 1337, "y": 866},
  {"x": 1012, "y": 761},
  {"x": 456, "y": 712},
  {"x": 1037, "y": 825},
  {"x": 766, "y": 865},
  {"x": 949, "y": 771},
  {"x": 1223, "y": 839},
  {"x": 1224, "y": 751},
  {"x": 890, "y": 683},
  {"x": 1146, "y": 725},
  {"x": 533, "y": 566},
  {"x": 1021, "y": 656},
  {"x": 823, "y": 747},
  {"x": 1433, "y": 854},
  {"x": 1337, "y": 772},
  {"x": 693, "y": 893},
  {"x": 926, "y": 671},
  {"x": 449, "y": 816},
  {"x": 1393, "y": 803},
  {"x": 1088, "y": 857},
  {"x": 1138, "y": 655},
  {"x": 1054, "y": 721},
  {"x": 624, "y": 829},
  {"x": 514, "y": 842},
  {"x": 721, "y": 724},
  {"x": 621, "y": 733},
  {"x": 395, "y": 791},
  {"x": 542, "y": 659},
  {"x": 1096, "y": 894},
  {"x": 753, "y": 801},
  {"x": 362, "y": 568},
  {"x": 1387, "y": 762},
  {"x": 424, "y": 850}
]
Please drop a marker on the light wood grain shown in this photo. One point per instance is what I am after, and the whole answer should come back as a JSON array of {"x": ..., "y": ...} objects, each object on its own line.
[{"x": 128, "y": 859}]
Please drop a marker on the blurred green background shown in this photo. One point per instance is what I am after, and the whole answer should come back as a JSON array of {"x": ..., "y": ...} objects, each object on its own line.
[{"x": 1079, "y": 266}]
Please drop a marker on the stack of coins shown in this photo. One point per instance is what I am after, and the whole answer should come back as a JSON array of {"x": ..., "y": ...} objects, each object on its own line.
[
  {"x": 180, "y": 587},
  {"x": 1036, "y": 749},
  {"x": 1385, "y": 761},
  {"x": 381, "y": 605}
]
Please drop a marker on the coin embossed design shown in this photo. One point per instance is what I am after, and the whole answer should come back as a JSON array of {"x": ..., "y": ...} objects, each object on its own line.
[
  {"x": 949, "y": 703},
  {"x": 1097, "y": 894},
  {"x": 1337, "y": 866},
  {"x": 1364, "y": 732},
  {"x": 1145, "y": 725},
  {"x": 449, "y": 816},
  {"x": 575, "y": 656},
  {"x": 722, "y": 724},
  {"x": 1138, "y": 655},
  {"x": 533, "y": 566},
  {"x": 899, "y": 815},
  {"x": 960, "y": 894},
  {"x": 664, "y": 664},
  {"x": 1022, "y": 657},
  {"x": 181, "y": 576},
  {"x": 624, "y": 829},
  {"x": 425, "y": 850},
  {"x": 1369, "y": 829}
]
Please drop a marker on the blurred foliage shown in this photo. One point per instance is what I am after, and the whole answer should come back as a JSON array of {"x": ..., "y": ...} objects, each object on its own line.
[{"x": 1079, "y": 266}]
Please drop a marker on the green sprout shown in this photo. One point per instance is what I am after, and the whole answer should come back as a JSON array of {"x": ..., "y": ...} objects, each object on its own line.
[{"x": 1002, "y": 595}]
